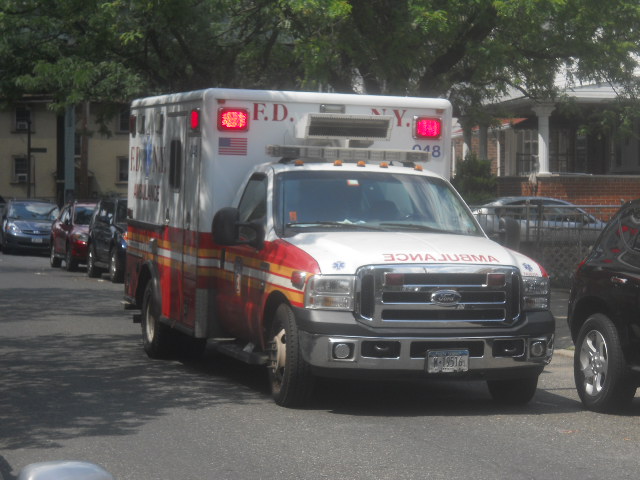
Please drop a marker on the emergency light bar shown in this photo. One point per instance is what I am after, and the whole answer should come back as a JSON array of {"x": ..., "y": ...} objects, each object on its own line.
[{"x": 331, "y": 154}]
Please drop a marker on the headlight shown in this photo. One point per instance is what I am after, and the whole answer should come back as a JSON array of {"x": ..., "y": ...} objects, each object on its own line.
[
  {"x": 330, "y": 292},
  {"x": 80, "y": 237},
  {"x": 12, "y": 228},
  {"x": 536, "y": 293}
]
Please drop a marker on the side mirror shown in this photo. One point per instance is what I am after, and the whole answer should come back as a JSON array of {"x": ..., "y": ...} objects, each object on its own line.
[
  {"x": 64, "y": 470},
  {"x": 228, "y": 230}
]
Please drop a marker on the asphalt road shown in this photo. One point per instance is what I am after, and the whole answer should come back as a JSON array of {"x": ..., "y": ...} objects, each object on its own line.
[{"x": 76, "y": 384}]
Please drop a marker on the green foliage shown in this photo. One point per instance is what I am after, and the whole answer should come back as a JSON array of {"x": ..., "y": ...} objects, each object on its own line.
[
  {"x": 466, "y": 50},
  {"x": 474, "y": 180}
]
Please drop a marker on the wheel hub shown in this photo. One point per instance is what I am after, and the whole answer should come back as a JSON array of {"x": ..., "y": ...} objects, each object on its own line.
[{"x": 593, "y": 362}]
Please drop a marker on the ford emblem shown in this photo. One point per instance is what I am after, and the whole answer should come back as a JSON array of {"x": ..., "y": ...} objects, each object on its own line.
[{"x": 446, "y": 298}]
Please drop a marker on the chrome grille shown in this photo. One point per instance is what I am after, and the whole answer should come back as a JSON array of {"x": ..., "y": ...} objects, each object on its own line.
[{"x": 438, "y": 296}]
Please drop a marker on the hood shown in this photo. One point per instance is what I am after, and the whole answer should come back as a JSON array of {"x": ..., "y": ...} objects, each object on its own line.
[
  {"x": 43, "y": 226},
  {"x": 345, "y": 252}
]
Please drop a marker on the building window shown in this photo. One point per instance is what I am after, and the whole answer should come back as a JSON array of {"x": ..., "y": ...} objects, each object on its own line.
[
  {"x": 20, "y": 169},
  {"x": 22, "y": 118},
  {"x": 123, "y": 169},
  {"x": 123, "y": 122}
]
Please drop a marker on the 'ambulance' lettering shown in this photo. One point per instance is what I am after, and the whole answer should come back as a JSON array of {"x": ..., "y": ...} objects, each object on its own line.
[{"x": 443, "y": 257}]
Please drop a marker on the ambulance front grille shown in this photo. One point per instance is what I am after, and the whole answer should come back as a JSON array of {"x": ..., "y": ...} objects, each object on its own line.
[{"x": 438, "y": 296}]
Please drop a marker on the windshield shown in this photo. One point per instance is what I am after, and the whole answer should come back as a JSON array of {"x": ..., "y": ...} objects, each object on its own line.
[
  {"x": 370, "y": 201},
  {"x": 33, "y": 211},
  {"x": 83, "y": 215}
]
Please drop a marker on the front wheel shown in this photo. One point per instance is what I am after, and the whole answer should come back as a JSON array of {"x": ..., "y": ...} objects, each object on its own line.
[
  {"x": 92, "y": 270},
  {"x": 290, "y": 376},
  {"x": 599, "y": 368},
  {"x": 156, "y": 337},
  {"x": 71, "y": 264},
  {"x": 53, "y": 260},
  {"x": 515, "y": 391},
  {"x": 116, "y": 272}
]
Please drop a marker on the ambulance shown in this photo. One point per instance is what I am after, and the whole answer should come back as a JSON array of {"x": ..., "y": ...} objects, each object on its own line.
[{"x": 317, "y": 234}]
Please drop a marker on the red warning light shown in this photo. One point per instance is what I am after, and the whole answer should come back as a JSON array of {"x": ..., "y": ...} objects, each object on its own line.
[
  {"x": 428, "y": 127},
  {"x": 194, "y": 119},
  {"x": 233, "y": 119}
]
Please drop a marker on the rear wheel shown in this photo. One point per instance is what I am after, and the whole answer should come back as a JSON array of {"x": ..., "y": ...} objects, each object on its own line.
[
  {"x": 53, "y": 260},
  {"x": 290, "y": 376},
  {"x": 116, "y": 272},
  {"x": 514, "y": 391},
  {"x": 600, "y": 371},
  {"x": 156, "y": 337}
]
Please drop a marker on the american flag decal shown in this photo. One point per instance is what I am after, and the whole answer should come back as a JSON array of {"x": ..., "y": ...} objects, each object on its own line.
[{"x": 232, "y": 146}]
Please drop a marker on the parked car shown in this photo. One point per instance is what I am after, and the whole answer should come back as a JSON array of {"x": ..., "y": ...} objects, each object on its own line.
[
  {"x": 26, "y": 225},
  {"x": 540, "y": 219},
  {"x": 604, "y": 315},
  {"x": 107, "y": 246},
  {"x": 70, "y": 233}
]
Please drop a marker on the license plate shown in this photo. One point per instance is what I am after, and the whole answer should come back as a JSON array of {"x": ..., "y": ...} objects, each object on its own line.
[
  {"x": 36, "y": 240},
  {"x": 447, "y": 361}
]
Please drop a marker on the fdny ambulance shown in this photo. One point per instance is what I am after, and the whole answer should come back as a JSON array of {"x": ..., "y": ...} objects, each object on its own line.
[{"x": 317, "y": 234}]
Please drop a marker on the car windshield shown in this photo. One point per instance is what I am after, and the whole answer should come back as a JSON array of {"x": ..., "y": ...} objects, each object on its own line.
[
  {"x": 83, "y": 215},
  {"x": 33, "y": 211},
  {"x": 369, "y": 201},
  {"x": 121, "y": 213}
]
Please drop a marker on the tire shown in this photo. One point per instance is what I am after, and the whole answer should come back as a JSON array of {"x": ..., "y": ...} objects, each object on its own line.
[
  {"x": 516, "y": 391},
  {"x": 156, "y": 337},
  {"x": 70, "y": 263},
  {"x": 601, "y": 374},
  {"x": 289, "y": 375},
  {"x": 116, "y": 272},
  {"x": 92, "y": 270},
  {"x": 53, "y": 260}
]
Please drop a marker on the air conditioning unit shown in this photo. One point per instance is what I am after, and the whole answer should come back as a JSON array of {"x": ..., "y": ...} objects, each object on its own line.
[
  {"x": 21, "y": 178},
  {"x": 22, "y": 125}
]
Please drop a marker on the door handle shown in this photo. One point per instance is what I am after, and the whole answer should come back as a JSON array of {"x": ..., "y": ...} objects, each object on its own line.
[{"x": 618, "y": 280}]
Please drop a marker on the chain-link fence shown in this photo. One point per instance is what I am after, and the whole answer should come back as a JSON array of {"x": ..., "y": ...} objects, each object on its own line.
[{"x": 557, "y": 236}]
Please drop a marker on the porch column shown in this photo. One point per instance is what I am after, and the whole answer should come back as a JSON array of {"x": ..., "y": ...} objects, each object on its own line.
[{"x": 543, "y": 112}]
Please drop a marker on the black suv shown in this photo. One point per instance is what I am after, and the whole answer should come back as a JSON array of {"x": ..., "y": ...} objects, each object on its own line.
[
  {"x": 107, "y": 246},
  {"x": 604, "y": 315}
]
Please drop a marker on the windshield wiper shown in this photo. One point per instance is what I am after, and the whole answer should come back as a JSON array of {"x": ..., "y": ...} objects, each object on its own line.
[
  {"x": 414, "y": 226},
  {"x": 359, "y": 226}
]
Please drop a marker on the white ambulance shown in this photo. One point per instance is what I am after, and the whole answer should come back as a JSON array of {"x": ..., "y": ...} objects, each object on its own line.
[{"x": 317, "y": 234}]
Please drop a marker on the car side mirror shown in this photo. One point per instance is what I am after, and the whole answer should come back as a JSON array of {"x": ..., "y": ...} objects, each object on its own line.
[{"x": 226, "y": 229}]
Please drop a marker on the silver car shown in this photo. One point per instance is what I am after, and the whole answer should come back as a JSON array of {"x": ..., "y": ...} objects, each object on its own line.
[{"x": 540, "y": 220}]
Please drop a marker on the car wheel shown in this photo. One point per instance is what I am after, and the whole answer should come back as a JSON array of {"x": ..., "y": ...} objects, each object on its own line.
[
  {"x": 116, "y": 272},
  {"x": 92, "y": 270},
  {"x": 53, "y": 260},
  {"x": 516, "y": 391},
  {"x": 156, "y": 337},
  {"x": 600, "y": 371},
  {"x": 290, "y": 376},
  {"x": 70, "y": 264}
]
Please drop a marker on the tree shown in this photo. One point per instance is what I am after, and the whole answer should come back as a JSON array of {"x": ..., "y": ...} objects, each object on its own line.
[{"x": 466, "y": 50}]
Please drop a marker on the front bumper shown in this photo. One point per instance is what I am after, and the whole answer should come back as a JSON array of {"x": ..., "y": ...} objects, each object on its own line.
[
  {"x": 514, "y": 351},
  {"x": 20, "y": 241}
]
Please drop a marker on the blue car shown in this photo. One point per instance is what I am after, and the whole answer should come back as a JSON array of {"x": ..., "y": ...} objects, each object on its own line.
[{"x": 26, "y": 225}]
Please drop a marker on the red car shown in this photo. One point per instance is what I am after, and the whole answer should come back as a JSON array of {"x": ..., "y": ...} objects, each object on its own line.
[{"x": 69, "y": 235}]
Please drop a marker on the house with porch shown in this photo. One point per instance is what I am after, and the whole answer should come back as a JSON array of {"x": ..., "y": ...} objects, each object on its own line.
[{"x": 543, "y": 149}]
